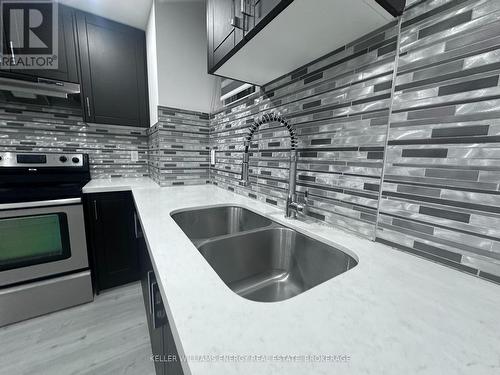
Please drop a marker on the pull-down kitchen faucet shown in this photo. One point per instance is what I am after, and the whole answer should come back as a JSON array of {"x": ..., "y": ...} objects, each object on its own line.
[{"x": 292, "y": 205}]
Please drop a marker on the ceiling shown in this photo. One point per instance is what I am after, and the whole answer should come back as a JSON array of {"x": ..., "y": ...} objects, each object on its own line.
[{"x": 130, "y": 12}]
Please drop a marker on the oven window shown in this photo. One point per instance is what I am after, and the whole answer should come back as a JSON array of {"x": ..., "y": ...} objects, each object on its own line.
[{"x": 30, "y": 240}]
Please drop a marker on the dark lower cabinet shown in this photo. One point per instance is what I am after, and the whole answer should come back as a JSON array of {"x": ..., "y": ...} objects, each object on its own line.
[
  {"x": 164, "y": 351},
  {"x": 112, "y": 236},
  {"x": 119, "y": 255}
]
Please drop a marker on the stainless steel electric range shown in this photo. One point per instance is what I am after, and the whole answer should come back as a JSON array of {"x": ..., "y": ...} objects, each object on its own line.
[{"x": 43, "y": 253}]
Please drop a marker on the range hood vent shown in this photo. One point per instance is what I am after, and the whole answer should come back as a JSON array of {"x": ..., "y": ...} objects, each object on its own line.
[
  {"x": 39, "y": 87},
  {"x": 233, "y": 91}
]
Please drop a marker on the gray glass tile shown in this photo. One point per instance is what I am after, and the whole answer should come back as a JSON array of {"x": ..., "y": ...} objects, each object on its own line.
[
  {"x": 413, "y": 226},
  {"x": 445, "y": 214},
  {"x": 419, "y": 190},
  {"x": 490, "y": 276},
  {"x": 446, "y": 24},
  {"x": 469, "y": 86},
  {"x": 431, "y": 113},
  {"x": 425, "y": 153},
  {"x": 460, "y": 131},
  {"x": 452, "y": 174},
  {"x": 437, "y": 251}
]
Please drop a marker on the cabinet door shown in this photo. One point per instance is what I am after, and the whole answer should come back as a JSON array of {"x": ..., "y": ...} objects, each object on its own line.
[
  {"x": 173, "y": 366},
  {"x": 162, "y": 342},
  {"x": 5, "y": 53},
  {"x": 262, "y": 9},
  {"x": 223, "y": 12},
  {"x": 222, "y": 33},
  {"x": 114, "y": 243},
  {"x": 67, "y": 69},
  {"x": 154, "y": 306},
  {"x": 113, "y": 72},
  {"x": 147, "y": 280}
]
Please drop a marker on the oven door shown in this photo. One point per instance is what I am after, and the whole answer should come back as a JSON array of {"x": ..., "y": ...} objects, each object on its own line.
[{"x": 41, "y": 239}]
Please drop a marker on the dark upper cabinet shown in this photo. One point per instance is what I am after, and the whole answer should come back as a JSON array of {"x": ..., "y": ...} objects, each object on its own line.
[
  {"x": 259, "y": 10},
  {"x": 223, "y": 10},
  {"x": 113, "y": 239},
  {"x": 225, "y": 30},
  {"x": 231, "y": 22},
  {"x": 67, "y": 65},
  {"x": 259, "y": 41},
  {"x": 5, "y": 53},
  {"x": 113, "y": 71}
]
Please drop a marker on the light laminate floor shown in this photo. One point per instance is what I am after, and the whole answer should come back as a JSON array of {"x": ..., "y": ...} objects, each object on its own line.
[{"x": 107, "y": 336}]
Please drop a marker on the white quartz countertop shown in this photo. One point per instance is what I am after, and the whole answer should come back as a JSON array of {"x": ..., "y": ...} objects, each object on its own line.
[
  {"x": 102, "y": 185},
  {"x": 393, "y": 313}
]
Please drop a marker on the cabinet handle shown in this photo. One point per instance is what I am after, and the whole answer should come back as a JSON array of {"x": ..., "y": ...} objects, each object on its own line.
[
  {"x": 159, "y": 313},
  {"x": 244, "y": 8},
  {"x": 95, "y": 210},
  {"x": 238, "y": 22},
  {"x": 88, "y": 106},
  {"x": 13, "y": 58},
  {"x": 150, "y": 292},
  {"x": 153, "y": 304},
  {"x": 135, "y": 225}
]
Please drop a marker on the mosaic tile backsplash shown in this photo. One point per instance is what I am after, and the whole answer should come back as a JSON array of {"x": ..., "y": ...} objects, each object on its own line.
[
  {"x": 179, "y": 148},
  {"x": 412, "y": 163},
  {"x": 399, "y": 137},
  {"x": 339, "y": 107},
  {"x": 33, "y": 128},
  {"x": 440, "y": 192}
]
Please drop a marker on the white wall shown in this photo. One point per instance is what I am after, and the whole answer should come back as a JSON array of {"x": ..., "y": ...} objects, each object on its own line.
[
  {"x": 181, "y": 57},
  {"x": 152, "y": 60},
  {"x": 130, "y": 12}
]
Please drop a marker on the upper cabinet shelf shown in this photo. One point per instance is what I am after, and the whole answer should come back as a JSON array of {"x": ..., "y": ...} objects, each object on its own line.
[{"x": 257, "y": 41}]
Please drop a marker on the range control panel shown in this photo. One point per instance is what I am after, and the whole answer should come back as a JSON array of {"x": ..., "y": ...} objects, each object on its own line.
[{"x": 14, "y": 159}]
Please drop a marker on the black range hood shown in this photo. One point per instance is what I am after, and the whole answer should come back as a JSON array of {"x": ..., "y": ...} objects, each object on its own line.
[{"x": 19, "y": 89}]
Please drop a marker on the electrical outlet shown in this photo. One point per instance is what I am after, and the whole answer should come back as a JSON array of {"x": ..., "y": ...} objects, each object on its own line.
[
  {"x": 212, "y": 156},
  {"x": 134, "y": 155}
]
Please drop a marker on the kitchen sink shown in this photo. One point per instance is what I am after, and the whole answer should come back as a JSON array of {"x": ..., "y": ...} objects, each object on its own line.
[
  {"x": 274, "y": 264},
  {"x": 258, "y": 258},
  {"x": 204, "y": 223}
]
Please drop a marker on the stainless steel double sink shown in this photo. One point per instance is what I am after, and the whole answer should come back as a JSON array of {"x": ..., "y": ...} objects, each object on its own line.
[{"x": 258, "y": 258}]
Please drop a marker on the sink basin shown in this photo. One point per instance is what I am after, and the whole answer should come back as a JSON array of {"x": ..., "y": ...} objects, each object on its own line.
[
  {"x": 204, "y": 223},
  {"x": 274, "y": 264}
]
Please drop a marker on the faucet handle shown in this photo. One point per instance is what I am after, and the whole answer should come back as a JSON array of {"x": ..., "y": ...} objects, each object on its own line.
[
  {"x": 306, "y": 197},
  {"x": 305, "y": 205}
]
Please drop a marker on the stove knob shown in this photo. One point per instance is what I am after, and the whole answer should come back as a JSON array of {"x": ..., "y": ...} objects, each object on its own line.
[
  {"x": 63, "y": 159},
  {"x": 75, "y": 160}
]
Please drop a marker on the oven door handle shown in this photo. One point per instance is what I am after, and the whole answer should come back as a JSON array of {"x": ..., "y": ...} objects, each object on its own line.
[{"x": 55, "y": 202}]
